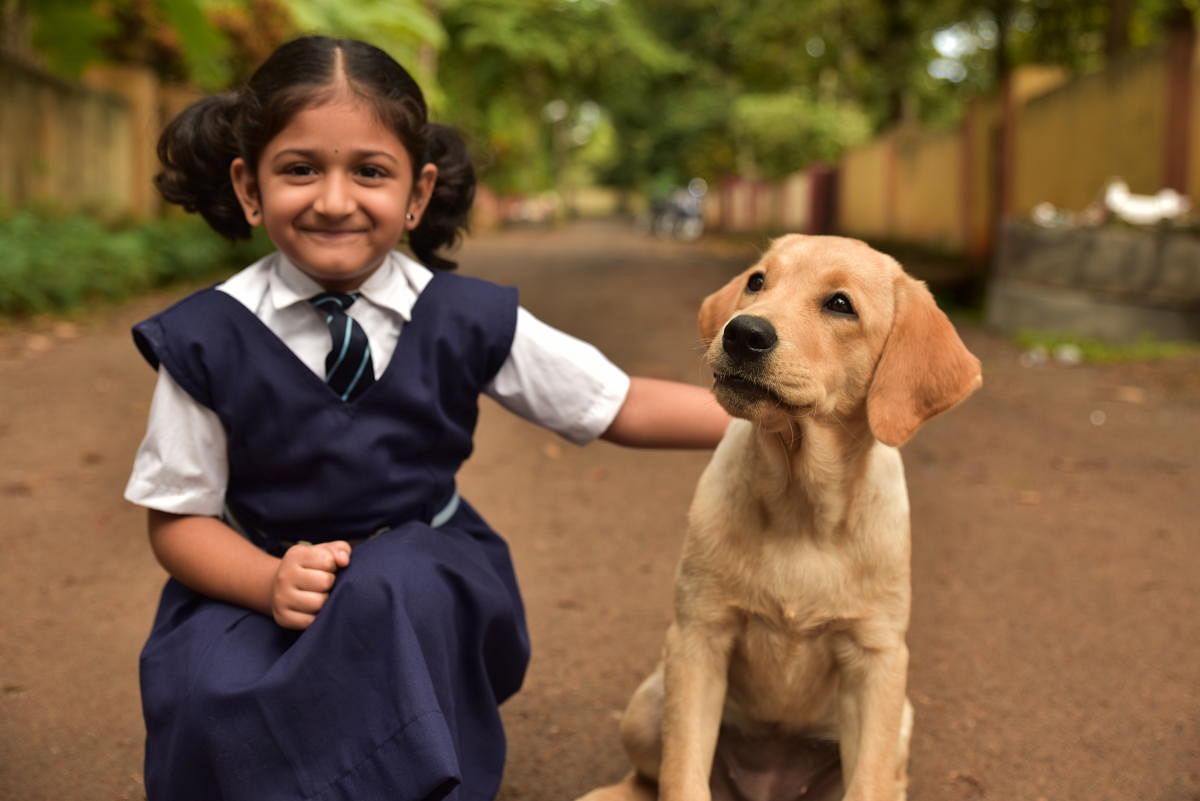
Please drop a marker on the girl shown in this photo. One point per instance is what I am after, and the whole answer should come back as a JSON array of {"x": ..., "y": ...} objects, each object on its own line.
[{"x": 339, "y": 624}]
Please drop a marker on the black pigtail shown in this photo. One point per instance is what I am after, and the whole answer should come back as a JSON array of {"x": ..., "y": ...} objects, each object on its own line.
[
  {"x": 195, "y": 150},
  {"x": 446, "y": 215}
]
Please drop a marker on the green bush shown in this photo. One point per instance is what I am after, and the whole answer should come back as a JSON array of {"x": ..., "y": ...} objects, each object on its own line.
[{"x": 58, "y": 263}]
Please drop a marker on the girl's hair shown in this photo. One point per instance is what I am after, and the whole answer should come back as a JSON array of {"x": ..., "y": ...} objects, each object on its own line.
[{"x": 197, "y": 147}]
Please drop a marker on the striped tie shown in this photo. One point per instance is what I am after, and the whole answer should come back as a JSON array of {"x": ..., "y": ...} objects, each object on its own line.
[{"x": 348, "y": 368}]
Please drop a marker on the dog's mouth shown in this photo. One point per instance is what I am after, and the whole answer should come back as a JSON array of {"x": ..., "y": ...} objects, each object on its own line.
[{"x": 747, "y": 390}]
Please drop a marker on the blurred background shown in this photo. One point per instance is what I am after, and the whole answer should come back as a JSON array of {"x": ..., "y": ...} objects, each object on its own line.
[
  {"x": 1033, "y": 160},
  {"x": 925, "y": 124}
]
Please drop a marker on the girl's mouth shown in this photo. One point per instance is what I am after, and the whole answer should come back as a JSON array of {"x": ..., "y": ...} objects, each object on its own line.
[{"x": 333, "y": 233}]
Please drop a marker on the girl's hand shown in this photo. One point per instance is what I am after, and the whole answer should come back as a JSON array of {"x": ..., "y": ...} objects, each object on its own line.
[{"x": 303, "y": 581}]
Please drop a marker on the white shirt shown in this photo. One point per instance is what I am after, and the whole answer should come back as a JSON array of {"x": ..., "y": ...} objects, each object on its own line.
[{"x": 549, "y": 378}]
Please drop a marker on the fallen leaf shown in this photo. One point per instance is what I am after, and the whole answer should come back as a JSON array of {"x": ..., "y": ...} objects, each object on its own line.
[
  {"x": 960, "y": 777},
  {"x": 1130, "y": 394},
  {"x": 65, "y": 330},
  {"x": 39, "y": 343},
  {"x": 19, "y": 489}
]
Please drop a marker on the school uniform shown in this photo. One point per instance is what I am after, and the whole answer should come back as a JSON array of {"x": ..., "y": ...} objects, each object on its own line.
[{"x": 393, "y": 691}]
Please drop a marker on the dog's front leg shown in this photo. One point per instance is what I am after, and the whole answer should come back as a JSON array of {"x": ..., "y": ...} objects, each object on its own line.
[
  {"x": 871, "y": 701},
  {"x": 696, "y": 665}
]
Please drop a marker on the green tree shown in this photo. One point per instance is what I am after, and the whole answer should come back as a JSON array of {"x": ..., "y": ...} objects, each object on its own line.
[
  {"x": 406, "y": 29},
  {"x": 174, "y": 37},
  {"x": 511, "y": 65}
]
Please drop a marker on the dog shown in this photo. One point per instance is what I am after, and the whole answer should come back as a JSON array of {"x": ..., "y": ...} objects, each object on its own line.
[{"x": 783, "y": 675}]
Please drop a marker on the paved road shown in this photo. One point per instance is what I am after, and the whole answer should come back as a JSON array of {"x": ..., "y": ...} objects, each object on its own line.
[{"x": 1056, "y": 625}]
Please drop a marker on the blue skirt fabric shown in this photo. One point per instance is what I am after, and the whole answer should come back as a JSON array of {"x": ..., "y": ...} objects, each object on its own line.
[{"x": 392, "y": 693}]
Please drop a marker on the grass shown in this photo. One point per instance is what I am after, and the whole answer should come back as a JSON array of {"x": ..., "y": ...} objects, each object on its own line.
[{"x": 1096, "y": 351}]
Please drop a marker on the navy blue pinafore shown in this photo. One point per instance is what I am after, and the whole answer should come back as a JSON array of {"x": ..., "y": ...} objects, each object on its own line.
[{"x": 393, "y": 692}]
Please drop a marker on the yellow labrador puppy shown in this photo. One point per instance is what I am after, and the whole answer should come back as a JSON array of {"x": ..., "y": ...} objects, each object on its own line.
[{"x": 783, "y": 675}]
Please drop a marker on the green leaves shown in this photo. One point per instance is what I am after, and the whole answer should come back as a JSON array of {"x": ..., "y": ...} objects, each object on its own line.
[
  {"x": 205, "y": 50},
  {"x": 53, "y": 263},
  {"x": 68, "y": 33},
  {"x": 399, "y": 27},
  {"x": 784, "y": 131},
  {"x": 507, "y": 59}
]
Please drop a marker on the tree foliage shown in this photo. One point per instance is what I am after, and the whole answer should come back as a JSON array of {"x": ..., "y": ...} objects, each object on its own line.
[
  {"x": 508, "y": 60},
  {"x": 631, "y": 92}
]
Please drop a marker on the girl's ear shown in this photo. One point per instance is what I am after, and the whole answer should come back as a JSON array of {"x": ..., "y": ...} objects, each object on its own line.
[
  {"x": 246, "y": 189},
  {"x": 422, "y": 192},
  {"x": 924, "y": 369},
  {"x": 718, "y": 307}
]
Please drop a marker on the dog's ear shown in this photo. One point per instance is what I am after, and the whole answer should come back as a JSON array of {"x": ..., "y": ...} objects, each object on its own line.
[
  {"x": 720, "y": 306},
  {"x": 925, "y": 368}
]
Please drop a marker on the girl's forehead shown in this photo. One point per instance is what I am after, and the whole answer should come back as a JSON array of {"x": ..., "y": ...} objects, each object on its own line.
[{"x": 338, "y": 123}]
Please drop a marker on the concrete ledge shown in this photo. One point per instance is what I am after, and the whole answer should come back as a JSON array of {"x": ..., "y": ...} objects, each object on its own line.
[
  {"x": 1013, "y": 305},
  {"x": 1113, "y": 283}
]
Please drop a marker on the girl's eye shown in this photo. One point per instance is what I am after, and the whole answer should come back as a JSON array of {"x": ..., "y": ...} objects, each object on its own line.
[
  {"x": 371, "y": 172},
  {"x": 756, "y": 282},
  {"x": 838, "y": 303},
  {"x": 299, "y": 170}
]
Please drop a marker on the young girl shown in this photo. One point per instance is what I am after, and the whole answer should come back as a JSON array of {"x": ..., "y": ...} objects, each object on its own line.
[{"x": 339, "y": 624}]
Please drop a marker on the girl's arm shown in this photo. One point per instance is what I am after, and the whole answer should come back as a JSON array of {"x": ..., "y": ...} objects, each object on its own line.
[
  {"x": 209, "y": 557},
  {"x": 667, "y": 414}
]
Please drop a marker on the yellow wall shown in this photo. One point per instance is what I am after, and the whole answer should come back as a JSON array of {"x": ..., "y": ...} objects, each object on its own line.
[
  {"x": 61, "y": 145},
  {"x": 795, "y": 199},
  {"x": 862, "y": 207},
  {"x": 140, "y": 89},
  {"x": 1071, "y": 141},
  {"x": 979, "y": 139},
  {"x": 1193, "y": 170},
  {"x": 928, "y": 194}
]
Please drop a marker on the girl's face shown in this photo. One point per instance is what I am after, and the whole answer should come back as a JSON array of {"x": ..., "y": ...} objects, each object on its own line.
[{"x": 335, "y": 191}]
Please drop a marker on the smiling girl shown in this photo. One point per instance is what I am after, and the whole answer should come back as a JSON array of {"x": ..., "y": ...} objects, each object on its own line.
[{"x": 338, "y": 622}]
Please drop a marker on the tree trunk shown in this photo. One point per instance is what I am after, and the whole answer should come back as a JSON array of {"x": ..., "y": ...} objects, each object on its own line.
[{"x": 1116, "y": 32}]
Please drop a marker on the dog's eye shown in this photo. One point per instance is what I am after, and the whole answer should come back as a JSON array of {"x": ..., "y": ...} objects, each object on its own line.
[
  {"x": 838, "y": 303},
  {"x": 756, "y": 282}
]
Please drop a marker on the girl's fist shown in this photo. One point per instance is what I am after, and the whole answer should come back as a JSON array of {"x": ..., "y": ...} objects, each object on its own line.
[{"x": 303, "y": 580}]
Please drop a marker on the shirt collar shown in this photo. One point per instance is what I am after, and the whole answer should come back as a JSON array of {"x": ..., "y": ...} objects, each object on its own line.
[{"x": 394, "y": 286}]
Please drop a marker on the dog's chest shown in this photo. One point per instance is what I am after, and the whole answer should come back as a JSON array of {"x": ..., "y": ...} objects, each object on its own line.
[
  {"x": 800, "y": 608},
  {"x": 798, "y": 588}
]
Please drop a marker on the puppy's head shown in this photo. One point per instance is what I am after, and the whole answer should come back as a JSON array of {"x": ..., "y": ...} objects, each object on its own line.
[{"x": 828, "y": 327}]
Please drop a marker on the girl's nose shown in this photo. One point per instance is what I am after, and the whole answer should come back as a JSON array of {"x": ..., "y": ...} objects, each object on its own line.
[{"x": 336, "y": 198}]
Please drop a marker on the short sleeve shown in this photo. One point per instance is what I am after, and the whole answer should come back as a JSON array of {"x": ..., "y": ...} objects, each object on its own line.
[
  {"x": 182, "y": 465},
  {"x": 554, "y": 380},
  {"x": 150, "y": 338}
]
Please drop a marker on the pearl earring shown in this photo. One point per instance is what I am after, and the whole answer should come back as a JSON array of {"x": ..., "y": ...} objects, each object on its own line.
[{"x": 410, "y": 216}]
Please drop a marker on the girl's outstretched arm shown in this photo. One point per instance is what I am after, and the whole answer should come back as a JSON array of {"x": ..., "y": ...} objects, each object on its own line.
[
  {"x": 211, "y": 558},
  {"x": 667, "y": 414}
]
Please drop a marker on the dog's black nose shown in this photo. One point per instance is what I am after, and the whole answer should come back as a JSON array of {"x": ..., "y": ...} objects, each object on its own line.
[{"x": 748, "y": 338}]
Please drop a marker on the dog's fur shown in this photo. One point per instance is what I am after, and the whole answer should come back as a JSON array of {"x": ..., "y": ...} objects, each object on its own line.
[{"x": 787, "y": 655}]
